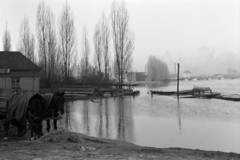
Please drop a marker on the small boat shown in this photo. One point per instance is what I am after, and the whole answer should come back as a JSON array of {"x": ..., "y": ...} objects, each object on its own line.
[
  {"x": 231, "y": 97},
  {"x": 167, "y": 93},
  {"x": 204, "y": 92},
  {"x": 196, "y": 92}
]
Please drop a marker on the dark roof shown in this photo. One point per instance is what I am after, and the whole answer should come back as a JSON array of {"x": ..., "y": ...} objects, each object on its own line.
[{"x": 16, "y": 61}]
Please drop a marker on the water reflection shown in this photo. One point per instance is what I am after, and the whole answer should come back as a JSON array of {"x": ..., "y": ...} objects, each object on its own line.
[
  {"x": 156, "y": 85},
  {"x": 95, "y": 119},
  {"x": 107, "y": 117},
  {"x": 67, "y": 115},
  {"x": 100, "y": 133},
  {"x": 179, "y": 116},
  {"x": 162, "y": 121},
  {"x": 121, "y": 124},
  {"x": 86, "y": 120}
]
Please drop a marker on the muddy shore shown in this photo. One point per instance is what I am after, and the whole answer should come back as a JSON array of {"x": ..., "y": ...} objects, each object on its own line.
[{"x": 63, "y": 144}]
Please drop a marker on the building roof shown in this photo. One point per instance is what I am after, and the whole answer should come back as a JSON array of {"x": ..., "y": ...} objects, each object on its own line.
[
  {"x": 16, "y": 61},
  {"x": 187, "y": 71}
]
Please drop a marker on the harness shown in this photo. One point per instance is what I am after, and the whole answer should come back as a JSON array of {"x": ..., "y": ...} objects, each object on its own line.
[
  {"x": 52, "y": 112},
  {"x": 32, "y": 116}
]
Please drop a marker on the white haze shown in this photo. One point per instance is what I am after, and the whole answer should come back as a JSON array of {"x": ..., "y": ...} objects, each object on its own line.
[{"x": 202, "y": 35}]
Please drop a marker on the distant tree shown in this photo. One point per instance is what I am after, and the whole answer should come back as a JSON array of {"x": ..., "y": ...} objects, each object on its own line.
[
  {"x": 232, "y": 73},
  {"x": 85, "y": 53},
  {"x": 98, "y": 48},
  {"x": 52, "y": 53},
  {"x": 67, "y": 35},
  {"x": 26, "y": 43},
  {"x": 47, "y": 43},
  {"x": 32, "y": 48},
  {"x": 6, "y": 39},
  {"x": 156, "y": 69},
  {"x": 123, "y": 40},
  {"x": 105, "y": 36}
]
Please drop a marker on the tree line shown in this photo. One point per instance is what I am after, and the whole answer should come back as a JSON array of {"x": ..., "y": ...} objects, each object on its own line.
[
  {"x": 157, "y": 70},
  {"x": 56, "y": 46}
]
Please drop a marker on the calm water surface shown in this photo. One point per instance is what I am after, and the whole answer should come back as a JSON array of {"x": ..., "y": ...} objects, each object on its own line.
[{"x": 162, "y": 121}]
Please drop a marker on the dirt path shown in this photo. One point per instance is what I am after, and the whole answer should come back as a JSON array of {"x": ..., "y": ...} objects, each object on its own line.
[{"x": 68, "y": 145}]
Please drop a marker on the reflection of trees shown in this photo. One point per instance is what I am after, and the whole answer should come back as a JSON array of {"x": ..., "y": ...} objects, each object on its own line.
[
  {"x": 115, "y": 121},
  {"x": 125, "y": 119},
  {"x": 100, "y": 133},
  {"x": 67, "y": 115},
  {"x": 86, "y": 117},
  {"x": 107, "y": 117},
  {"x": 103, "y": 119},
  {"x": 121, "y": 125}
]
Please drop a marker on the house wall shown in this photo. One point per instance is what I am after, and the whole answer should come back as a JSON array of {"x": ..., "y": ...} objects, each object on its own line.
[
  {"x": 29, "y": 81},
  {"x": 186, "y": 75},
  {"x": 140, "y": 77},
  {"x": 29, "y": 84},
  {"x": 8, "y": 83},
  {"x": 131, "y": 77},
  {"x": 136, "y": 76}
]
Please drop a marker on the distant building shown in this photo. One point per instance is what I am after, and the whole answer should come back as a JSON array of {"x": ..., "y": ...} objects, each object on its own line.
[
  {"x": 187, "y": 74},
  {"x": 18, "y": 72},
  {"x": 219, "y": 76},
  {"x": 136, "y": 76}
]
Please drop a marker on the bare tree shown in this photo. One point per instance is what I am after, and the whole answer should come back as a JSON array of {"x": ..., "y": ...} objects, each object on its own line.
[
  {"x": 51, "y": 43},
  {"x": 85, "y": 52},
  {"x": 123, "y": 39},
  {"x": 98, "y": 48},
  {"x": 105, "y": 36},
  {"x": 67, "y": 35},
  {"x": 32, "y": 48},
  {"x": 157, "y": 69},
  {"x": 47, "y": 42},
  {"x": 6, "y": 39},
  {"x": 26, "y": 42},
  {"x": 41, "y": 32}
]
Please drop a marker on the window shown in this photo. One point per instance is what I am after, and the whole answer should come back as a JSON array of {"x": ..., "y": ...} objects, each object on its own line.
[{"x": 15, "y": 83}]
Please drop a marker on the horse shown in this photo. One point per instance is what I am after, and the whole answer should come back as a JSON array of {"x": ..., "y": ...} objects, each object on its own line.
[
  {"x": 54, "y": 107},
  {"x": 23, "y": 107}
]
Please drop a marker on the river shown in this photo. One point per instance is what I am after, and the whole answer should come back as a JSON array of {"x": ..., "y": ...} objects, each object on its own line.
[{"x": 162, "y": 121}]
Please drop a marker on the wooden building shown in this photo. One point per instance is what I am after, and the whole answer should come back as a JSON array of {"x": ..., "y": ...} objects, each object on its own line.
[
  {"x": 18, "y": 72},
  {"x": 136, "y": 76},
  {"x": 187, "y": 74}
]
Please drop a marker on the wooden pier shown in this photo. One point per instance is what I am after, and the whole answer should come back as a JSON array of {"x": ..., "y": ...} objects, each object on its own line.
[{"x": 88, "y": 91}]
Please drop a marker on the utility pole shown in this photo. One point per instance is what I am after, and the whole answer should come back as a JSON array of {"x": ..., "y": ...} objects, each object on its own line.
[{"x": 178, "y": 82}]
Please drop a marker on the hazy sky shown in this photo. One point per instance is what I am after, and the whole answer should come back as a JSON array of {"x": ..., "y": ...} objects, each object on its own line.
[{"x": 202, "y": 35}]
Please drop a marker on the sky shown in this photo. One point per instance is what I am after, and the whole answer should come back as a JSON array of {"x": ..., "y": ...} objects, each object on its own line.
[{"x": 202, "y": 35}]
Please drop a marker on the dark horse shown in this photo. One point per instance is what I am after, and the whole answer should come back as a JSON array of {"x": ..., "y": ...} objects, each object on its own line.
[
  {"x": 54, "y": 107},
  {"x": 23, "y": 107}
]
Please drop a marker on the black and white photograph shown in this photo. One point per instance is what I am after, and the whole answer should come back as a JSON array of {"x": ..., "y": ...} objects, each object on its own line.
[{"x": 120, "y": 79}]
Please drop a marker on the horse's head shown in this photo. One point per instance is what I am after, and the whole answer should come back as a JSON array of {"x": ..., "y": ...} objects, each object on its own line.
[
  {"x": 59, "y": 100},
  {"x": 36, "y": 114}
]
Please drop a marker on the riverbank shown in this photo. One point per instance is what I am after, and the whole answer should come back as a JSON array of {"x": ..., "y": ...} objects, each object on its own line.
[{"x": 63, "y": 144}]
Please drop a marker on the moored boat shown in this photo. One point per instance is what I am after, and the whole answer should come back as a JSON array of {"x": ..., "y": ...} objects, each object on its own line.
[
  {"x": 204, "y": 92},
  {"x": 168, "y": 93},
  {"x": 231, "y": 97},
  {"x": 196, "y": 92}
]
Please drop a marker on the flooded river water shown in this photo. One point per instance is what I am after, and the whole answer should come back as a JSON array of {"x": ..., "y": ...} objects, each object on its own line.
[{"x": 162, "y": 121}]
